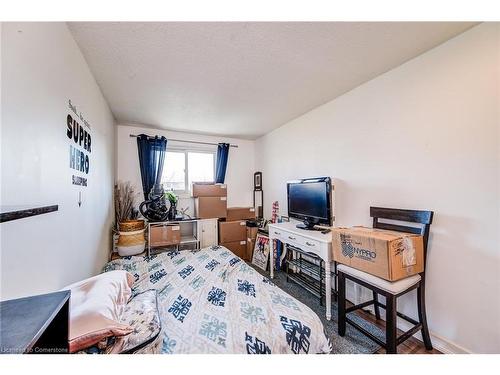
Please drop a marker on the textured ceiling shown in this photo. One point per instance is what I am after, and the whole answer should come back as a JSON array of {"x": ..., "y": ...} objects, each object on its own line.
[{"x": 241, "y": 79}]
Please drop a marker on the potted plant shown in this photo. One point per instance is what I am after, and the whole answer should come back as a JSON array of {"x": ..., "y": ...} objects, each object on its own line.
[
  {"x": 172, "y": 199},
  {"x": 124, "y": 203},
  {"x": 131, "y": 239}
]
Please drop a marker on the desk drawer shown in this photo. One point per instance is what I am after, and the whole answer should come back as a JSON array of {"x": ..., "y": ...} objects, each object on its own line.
[
  {"x": 305, "y": 243},
  {"x": 308, "y": 244},
  {"x": 284, "y": 235},
  {"x": 280, "y": 233}
]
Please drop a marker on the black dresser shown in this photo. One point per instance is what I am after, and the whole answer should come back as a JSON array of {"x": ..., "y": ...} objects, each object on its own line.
[{"x": 37, "y": 324}]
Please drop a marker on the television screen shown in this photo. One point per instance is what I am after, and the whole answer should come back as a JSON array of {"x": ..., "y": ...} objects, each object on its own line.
[{"x": 308, "y": 199}]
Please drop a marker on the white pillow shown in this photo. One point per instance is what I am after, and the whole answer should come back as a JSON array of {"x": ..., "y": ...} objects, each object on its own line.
[{"x": 96, "y": 307}]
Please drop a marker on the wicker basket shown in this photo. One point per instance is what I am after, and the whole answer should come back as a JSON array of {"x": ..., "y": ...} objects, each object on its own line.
[
  {"x": 126, "y": 251},
  {"x": 131, "y": 238},
  {"x": 131, "y": 225}
]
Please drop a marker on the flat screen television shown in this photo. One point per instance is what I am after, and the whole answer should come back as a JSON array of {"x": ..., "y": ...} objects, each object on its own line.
[{"x": 309, "y": 200}]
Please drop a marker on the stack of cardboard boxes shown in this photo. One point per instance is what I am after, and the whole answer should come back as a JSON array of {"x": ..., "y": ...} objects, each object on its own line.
[
  {"x": 233, "y": 231},
  {"x": 210, "y": 200}
]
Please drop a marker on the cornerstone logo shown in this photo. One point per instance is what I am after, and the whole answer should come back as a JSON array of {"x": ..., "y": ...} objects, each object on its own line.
[{"x": 349, "y": 250}]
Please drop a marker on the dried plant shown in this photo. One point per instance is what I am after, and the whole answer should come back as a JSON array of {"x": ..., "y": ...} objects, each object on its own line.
[{"x": 124, "y": 203}]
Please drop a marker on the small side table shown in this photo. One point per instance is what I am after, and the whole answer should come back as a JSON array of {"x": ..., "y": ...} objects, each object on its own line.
[{"x": 37, "y": 325}]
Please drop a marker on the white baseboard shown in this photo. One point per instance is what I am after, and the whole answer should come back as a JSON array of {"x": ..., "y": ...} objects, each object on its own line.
[{"x": 440, "y": 343}]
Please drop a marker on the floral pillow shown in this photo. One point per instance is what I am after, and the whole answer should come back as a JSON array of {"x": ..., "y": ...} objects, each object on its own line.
[{"x": 141, "y": 313}]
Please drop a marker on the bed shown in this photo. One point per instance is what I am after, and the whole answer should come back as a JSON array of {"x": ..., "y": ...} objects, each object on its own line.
[{"x": 211, "y": 301}]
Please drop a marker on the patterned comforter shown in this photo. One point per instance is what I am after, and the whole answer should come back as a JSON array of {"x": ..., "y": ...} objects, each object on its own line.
[{"x": 213, "y": 302}]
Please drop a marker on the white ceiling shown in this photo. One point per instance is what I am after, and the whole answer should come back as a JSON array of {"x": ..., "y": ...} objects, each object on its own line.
[{"x": 241, "y": 79}]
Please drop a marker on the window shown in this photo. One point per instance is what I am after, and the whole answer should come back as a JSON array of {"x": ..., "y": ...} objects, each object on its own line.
[
  {"x": 174, "y": 171},
  {"x": 200, "y": 167},
  {"x": 183, "y": 167}
]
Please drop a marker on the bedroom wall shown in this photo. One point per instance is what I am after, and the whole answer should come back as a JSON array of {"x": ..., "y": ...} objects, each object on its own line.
[
  {"x": 240, "y": 166},
  {"x": 424, "y": 136},
  {"x": 42, "y": 68}
]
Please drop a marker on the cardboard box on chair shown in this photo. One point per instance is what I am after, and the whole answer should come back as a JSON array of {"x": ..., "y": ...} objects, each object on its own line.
[
  {"x": 210, "y": 207},
  {"x": 389, "y": 255}
]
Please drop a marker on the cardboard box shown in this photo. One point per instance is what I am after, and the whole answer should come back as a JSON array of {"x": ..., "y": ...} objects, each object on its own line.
[
  {"x": 387, "y": 254},
  {"x": 209, "y": 190},
  {"x": 252, "y": 233},
  {"x": 250, "y": 247},
  {"x": 230, "y": 231},
  {"x": 240, "y": 213},
  {"x": 210, "y": 207},
  {"x": 251, "y": 236},
  {"x": 165, "y": 235},
  {"x": 237, "y": 247}
]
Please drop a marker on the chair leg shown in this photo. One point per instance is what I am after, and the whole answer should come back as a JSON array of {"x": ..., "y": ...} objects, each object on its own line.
[
  {"x": 422, "y": 317},
  {"x": 375, "y": 305},
  {"x": 391, "y": 324},
  {"x": 341, "y": 322}
]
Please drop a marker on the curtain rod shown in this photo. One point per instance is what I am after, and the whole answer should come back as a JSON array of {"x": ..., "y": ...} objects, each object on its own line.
[{"x": 180, "y": 140}]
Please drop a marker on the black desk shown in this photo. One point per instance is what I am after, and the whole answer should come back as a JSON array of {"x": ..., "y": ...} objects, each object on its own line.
[{"x": 37, "y": 324}]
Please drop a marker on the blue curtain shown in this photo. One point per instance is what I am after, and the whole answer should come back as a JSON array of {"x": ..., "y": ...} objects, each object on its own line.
[
  {"x": 221, "y": 163},
  {"x": 151, "y": 158}
]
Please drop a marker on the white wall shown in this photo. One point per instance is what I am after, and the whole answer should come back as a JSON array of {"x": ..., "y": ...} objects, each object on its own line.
[
  {"x": 240, "y": 166},
  {"x": 42, "y": 68},
  {"x": 424, "y": 136}
]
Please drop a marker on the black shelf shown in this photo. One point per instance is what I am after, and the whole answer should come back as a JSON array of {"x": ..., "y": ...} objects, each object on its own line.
[
  {"x": 15, "y": 213},
  {"x": 308, "y": 272},
  {"x": 309, "y": 268},
  {"x": 306, "y": 283}
]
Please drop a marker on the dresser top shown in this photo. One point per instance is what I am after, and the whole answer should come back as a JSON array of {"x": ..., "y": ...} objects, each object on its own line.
[
  {"x": 311, "y": 234},
  {"x": 23, "y": 320}
]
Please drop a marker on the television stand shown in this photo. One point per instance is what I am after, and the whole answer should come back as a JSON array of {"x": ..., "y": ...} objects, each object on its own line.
[
  {"x": 305, "y": 226},
  {"x": 308, "y": 224},
  {"x": 310, "y": 242}
]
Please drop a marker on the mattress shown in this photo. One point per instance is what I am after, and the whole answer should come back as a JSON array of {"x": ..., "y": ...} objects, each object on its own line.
[{"x": 211, "y": 301}]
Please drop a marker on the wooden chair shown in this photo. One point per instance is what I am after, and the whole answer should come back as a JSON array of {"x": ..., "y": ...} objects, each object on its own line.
[{"x": 390, "y": 290}]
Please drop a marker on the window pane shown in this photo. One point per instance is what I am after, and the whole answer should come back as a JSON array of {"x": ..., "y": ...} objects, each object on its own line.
[
  {"x": 174, "y": 171},
  {"x": 200, "y": 167}
]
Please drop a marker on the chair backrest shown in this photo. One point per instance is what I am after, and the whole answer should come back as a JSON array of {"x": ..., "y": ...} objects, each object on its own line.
[{"x": 410, "y": 216}]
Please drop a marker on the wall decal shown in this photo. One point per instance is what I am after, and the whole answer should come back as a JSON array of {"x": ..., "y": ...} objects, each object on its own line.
[{"x": 78, "y": 131}]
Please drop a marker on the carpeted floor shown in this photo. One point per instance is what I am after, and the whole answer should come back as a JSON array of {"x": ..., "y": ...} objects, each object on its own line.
[{"x": 353, "y": 342}]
